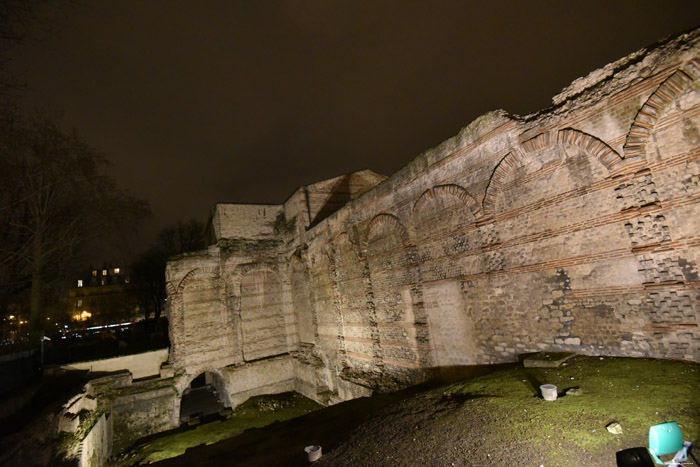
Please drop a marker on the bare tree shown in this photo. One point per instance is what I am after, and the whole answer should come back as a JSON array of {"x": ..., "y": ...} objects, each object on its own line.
[
  {"x": 182, "y": 237},
  {"x": 148, "y": 272},
  {"x": 57, "y": 201}
]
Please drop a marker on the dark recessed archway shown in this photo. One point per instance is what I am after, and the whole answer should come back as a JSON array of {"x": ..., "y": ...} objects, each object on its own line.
[{"x": 206, "y": 395}]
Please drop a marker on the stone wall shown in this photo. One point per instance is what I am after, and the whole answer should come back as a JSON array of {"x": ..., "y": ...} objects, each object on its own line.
[
  {"x": 244, "y": 220},
  {"x": 96, "y": 448},
  {"x": 140, "y": 365},
  {"x": 124, "y": 410},
  {"x": 574, "y": 229}
]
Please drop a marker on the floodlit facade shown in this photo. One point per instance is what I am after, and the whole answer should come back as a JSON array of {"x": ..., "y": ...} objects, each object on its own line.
[{"x": 575, "y": 228}]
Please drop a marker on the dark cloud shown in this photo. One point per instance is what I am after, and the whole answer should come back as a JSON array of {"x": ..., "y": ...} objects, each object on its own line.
[{"x": 199, "y": 102}]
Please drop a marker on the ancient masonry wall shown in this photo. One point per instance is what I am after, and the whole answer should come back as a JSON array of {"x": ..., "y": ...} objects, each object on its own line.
[{"x": 575, "y": 229}]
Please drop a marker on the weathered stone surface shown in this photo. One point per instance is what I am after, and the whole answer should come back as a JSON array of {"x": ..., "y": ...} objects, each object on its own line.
[
  {"x": 140, "y": 366},
  {"x": 573, "y": 229},
  {"x": 614, "y": 428},
  {"x": 570, "y": 230}
]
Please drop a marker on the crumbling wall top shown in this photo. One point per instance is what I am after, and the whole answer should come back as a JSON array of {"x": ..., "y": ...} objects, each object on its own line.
[{"x": 253, "y": 221}]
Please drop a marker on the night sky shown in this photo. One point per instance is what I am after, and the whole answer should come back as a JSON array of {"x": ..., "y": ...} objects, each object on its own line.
[{"x": 198, "y": 102}]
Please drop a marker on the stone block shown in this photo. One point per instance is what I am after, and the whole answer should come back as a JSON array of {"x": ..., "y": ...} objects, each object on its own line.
[{"x": 68, "y": 422}]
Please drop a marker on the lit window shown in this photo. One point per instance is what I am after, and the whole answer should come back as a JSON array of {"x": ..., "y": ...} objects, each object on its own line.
[
  {"x": 80, "y": 303},
  {"x": 80, "y": 283},
  {"x": 104, "y": 272},
  {"x": 116, "y": 270},
  {"x": 82, "y": 316},
  {"x": 94, "y": 273},
  {"x": 102, "y": 282}
]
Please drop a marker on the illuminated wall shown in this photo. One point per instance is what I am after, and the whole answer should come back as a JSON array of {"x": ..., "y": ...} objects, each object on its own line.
[{"x": 573, "y": 229}]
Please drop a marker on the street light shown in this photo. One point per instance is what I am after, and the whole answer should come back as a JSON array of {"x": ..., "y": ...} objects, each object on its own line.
[{"x": 42, "y": 339}]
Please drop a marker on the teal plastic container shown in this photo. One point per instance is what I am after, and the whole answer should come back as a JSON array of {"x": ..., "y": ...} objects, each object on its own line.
[{"x": 665, "y": 438}]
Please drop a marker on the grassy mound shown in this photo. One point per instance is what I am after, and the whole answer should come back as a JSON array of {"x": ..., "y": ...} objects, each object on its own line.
[
  {"x": 254, "y": 413},
  {"x": 496, "y": 419},
  {"x": 499, "y": 418}
]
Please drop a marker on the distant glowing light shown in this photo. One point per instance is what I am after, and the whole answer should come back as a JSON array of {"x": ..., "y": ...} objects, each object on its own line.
[
  {"x": 106, "y": 326},
  {"x": 84, "y": 316}
]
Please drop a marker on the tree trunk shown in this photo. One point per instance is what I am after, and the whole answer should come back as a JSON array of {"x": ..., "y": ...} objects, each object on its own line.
[{"x": 35, "y": 322}]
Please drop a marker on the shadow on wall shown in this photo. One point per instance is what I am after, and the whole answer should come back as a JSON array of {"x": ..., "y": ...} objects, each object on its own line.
[{"x": 340, "y": 197}]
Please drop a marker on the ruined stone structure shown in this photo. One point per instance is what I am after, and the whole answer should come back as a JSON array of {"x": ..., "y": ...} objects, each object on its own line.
[{"x": 575, "y": 228}]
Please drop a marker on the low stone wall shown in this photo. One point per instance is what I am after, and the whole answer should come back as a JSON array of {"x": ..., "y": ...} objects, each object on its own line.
[
  {"x": 148, "y": 406},
  {"x": 96, "y": 447},
  {"x": 140, "y": 365},
  {"x": 270, "y": 376},
  {"x": 138, "y": 408}
]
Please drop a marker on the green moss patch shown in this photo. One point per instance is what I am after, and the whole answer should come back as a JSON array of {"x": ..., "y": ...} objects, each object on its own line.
[
  {"x": 254, "y": 413},
  {"x": 496, "y": 418},
  {"x": 637, "y": 393},
  {"x": 499, "y": 418}
]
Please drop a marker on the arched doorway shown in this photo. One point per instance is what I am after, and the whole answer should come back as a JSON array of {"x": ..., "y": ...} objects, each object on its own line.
[{"x": 204, "y": 397}]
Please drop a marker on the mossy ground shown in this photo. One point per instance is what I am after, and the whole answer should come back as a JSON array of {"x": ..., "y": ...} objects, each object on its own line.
[
  {"x": 496, "y": 418},
  {"x": 254, "y": 413}
]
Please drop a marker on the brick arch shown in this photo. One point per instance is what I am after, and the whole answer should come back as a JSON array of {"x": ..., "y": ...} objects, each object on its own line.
[
  {"x": 458, "y": 192},
  {"x": 243, "y": 269},
  {"x": 424, "y": 198},
  {"x": 448, "y": 190},
  {"x": 588, "y": 144},
  {"x": 381, "y": 219},
  {"x": 189, "y": 277},
  {"x": 511, "y": 160},
  {"x": 648, "y": 115},
  {"x": 220, "y": 386},
  {"x": 170, "y": 288}
]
